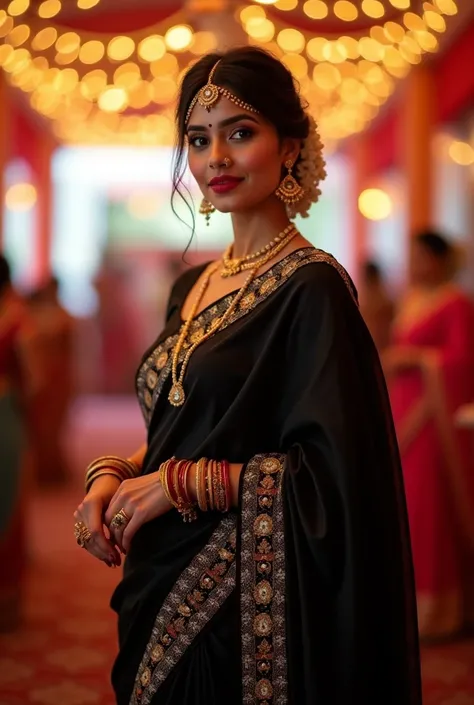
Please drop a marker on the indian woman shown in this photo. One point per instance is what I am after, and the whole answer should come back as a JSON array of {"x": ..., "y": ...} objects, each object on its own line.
[
  {"x": 430, "y": 366},
  {"x": 17, "y": 384},
  {"x": 264, "y": 522}
]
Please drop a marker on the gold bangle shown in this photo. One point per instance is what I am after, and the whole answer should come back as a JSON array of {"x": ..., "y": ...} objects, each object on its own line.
[
  {"x": 99, "y": 473},
  {"x": 202, "y": 499},
  {"x": 164, "y": 482},
  {"x": 198, "y": 484},
  {"x": 127, "y": 468},
  {"x": 210, "y": 491},
  {"x": 135, "y": 466}
]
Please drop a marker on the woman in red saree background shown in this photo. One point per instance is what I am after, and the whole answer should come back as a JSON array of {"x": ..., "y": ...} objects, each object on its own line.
[
  {"x": 19, "y": 380},
  {"x": 430, "y": 368}
]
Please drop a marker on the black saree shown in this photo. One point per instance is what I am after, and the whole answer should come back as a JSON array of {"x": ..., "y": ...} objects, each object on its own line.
[{"x": 304, "y": 595}]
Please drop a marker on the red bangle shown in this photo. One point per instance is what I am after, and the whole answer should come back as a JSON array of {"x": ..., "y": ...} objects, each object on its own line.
[
  {"x": 226, "y": 482},
  {"x": 170, "y": 480}
]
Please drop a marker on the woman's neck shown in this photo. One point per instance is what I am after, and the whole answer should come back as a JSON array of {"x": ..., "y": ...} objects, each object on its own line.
[{"x": 255, "y": 229}]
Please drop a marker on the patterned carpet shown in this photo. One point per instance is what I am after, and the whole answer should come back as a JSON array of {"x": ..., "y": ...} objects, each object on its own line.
[{"x": 63, "y": 653}]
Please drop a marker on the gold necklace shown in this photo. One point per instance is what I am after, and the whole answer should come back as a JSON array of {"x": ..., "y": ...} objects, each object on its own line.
[
  {"x": 177, "y": 395},
  {"x": 234, "y": 265}
]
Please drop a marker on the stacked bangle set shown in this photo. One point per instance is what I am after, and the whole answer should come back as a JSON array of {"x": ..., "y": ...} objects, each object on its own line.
[
  {"x": 213, "y": 490},
  {"x": 111, "y": 465},
  {"x": 212, "y": 477}
]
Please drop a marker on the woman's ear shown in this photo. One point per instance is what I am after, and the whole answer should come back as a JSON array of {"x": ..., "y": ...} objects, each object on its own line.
[{"x": 290, "y": 149}]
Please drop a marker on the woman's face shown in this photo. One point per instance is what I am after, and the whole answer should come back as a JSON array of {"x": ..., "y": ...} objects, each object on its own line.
[
  {"x": 425, "y": 267},
  {"x": 235, "y": 156}
]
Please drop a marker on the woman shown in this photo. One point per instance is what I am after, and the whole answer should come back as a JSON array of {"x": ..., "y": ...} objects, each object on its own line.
[
  {"x": 431, "y": 371},
  {"x": 375, "y": 305},
  {"x": 55, "y": 339},
  {"x": 265, "y": 385},
  {"x": 17, "y": 379}
]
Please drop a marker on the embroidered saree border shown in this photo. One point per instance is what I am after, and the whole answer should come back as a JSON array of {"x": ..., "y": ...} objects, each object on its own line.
[
  {"x": 198, "y": 594},
  {"x": 156, "y": 369},
  {"x": 262, "y": 583}
]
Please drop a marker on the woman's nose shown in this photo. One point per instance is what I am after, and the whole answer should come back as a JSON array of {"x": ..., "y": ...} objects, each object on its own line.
[{"x": 218, "y": 159}]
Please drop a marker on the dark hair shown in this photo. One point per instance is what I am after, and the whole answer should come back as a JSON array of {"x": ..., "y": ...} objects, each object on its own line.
[
  {"x": 435, "y": 243},
  {"x": 256, "y": 77},
  {"x": 372, "y": 271},
  {"x": 5, "y": 273}
]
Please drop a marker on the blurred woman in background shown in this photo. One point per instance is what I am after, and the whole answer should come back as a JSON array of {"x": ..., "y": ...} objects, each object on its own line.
[
  {"x": 54, "y": 345},
  {"x": 430, "y": 367},
  {"x": 376, "y": 305},
  {"x": 18, "y": 381}
]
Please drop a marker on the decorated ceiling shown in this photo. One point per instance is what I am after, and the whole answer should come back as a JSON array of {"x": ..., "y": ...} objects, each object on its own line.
[{"x": 108, "y": 71}]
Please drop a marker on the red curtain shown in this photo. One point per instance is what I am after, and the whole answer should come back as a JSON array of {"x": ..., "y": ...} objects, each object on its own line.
[{"x": 121, "y": 21}]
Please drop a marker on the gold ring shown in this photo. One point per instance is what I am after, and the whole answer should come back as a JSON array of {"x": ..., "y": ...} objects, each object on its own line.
[
  {"x": 119, "y": 520},
  {"x": 81, "y": 534}
]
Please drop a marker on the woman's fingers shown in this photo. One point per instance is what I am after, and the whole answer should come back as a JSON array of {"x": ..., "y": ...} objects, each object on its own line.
[{"x": 90, "y": 513}]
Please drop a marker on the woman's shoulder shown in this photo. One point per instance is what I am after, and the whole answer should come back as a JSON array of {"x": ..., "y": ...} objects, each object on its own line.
[
  {"x": 317, "y": 273},
  {"x": 188, "y": 278}
]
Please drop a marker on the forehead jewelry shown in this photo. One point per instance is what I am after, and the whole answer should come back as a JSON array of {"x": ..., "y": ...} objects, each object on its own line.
[{"x": 208, "y": 95}]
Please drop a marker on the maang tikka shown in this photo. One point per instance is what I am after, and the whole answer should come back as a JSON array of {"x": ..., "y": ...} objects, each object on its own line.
[
  {"x": 208, "y": 95},
  {"x": 289, "y": 190}
]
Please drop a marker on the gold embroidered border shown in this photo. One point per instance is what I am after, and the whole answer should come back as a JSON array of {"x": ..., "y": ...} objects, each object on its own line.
[
  {"x": 149, "y": 387},
  {"x": 196, "y": 597},
  {"x": 262, "y": 583}
]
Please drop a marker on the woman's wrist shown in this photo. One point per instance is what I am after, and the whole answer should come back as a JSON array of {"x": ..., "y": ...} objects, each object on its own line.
[
  {"x": 235, "y": 470},
  {"x": 105, "y": 481}
]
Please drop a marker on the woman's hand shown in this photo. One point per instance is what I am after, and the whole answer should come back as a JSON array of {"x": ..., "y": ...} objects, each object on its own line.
[
  {"x": 398, "y": 358},
  {"x": 91, "y": 513},
  {"x": 141, "y": 499}
]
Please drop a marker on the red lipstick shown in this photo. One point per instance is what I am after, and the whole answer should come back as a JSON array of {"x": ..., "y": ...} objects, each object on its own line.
[{"x": 223, "y": 184}]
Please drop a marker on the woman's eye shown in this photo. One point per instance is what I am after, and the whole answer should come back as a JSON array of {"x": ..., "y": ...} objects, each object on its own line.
[
  {"x": 242, "y": 133},
  {"x": 198, "y": 141}
]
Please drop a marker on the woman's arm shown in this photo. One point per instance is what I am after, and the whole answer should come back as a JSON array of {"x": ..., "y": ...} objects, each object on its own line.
[
  {"x": 404, "y": 357},
  {"x": 235, "y": 472},
  {"x": 138, "y": 456}
]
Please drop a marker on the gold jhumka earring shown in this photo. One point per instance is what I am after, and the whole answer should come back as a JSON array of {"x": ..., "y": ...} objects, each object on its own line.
[
  {"x": 289, "y": 190},
  {"x": 206, "y": 209}
]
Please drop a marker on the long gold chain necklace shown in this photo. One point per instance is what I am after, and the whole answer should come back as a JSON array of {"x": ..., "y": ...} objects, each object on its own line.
[
  {"x": 177, "y": 395},
  {"x": 234, "y": 265}
]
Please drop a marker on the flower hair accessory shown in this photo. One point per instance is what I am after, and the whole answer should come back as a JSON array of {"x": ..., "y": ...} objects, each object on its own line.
[{"x": 310, "y": 171}]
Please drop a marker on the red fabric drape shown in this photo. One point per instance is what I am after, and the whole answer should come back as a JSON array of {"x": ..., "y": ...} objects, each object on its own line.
[
  {"x": 120, "y": 21},
  {"x": 455, "y": 76}
]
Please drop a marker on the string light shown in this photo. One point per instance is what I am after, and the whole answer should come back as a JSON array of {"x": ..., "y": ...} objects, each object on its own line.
[
  {"x": 375, "y": 204},
  {"x": 152, "y": 48},
  {"x": 316, "y": 9},
  {"x": 20, "y": 197},
  {"x": 345, "y": 79},
  {"x": 49, "y": 9},
  {"x": 120, "y": 48},
  {"x": 18, "y": 7},
  {"x": 44, "y": 39}
]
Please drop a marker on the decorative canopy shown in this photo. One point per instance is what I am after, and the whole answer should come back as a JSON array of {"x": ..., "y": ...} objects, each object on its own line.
[{"x": 107, "y": 71}]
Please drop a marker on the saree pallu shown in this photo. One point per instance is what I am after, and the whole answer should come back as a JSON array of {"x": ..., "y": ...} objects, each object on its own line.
[
  {"x": 304, "y": 593},
  {"x": 437, "y": 459},
  {"x": 12, "y": 544}
]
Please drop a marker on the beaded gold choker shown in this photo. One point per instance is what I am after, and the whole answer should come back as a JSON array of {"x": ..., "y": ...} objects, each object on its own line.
[
  {"x": 208, "y": 95},
  {"x": 234, "y": 265}
]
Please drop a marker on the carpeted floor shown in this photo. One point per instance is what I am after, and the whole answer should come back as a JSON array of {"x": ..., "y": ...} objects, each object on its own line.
[{"x": 63, "y": 653}]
